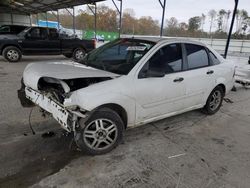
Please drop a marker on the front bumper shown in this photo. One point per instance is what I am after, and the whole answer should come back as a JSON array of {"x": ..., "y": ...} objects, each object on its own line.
[{"x": 62, "y": 115}]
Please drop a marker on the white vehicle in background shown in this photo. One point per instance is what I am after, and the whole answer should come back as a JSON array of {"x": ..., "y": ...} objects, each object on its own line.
[{"x": 127, "y": 83}]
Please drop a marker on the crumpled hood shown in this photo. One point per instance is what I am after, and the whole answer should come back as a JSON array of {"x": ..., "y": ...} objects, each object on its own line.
[{"x": 60, "y": 70}]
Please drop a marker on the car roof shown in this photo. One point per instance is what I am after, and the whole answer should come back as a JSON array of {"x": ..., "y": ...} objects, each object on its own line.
[
  {"x": 15, "y": 25},
  {"x": 167, "y": 39}
]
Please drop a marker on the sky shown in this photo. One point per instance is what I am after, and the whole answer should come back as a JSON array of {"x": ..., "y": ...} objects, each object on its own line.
[{"x": 181, "y": 9}]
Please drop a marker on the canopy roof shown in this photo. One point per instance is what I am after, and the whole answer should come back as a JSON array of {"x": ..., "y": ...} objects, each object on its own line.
[{"x": 39, "y": 6}]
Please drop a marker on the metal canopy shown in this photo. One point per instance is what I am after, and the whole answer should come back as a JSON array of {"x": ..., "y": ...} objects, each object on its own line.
[{"x": 39, "y": 6}]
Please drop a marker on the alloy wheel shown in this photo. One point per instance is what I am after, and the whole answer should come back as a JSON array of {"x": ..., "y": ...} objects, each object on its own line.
[
  {"x": 215, "y": 100},
  {"x": 12, "y": 55},
  {"x": 100, "y": 134}
]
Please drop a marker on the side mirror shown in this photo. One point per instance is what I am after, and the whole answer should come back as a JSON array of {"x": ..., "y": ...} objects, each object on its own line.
[{"x": 151, "y": 74}]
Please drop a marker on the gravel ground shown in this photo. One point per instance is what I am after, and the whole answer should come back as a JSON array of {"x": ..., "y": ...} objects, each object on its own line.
[{"x": 188, "y": 150}]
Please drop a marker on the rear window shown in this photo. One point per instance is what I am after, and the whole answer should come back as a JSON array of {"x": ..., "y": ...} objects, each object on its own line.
[
  {"x": 197, "y": 56},
  {"x": 214, "y": 59},
  {"x": 5, "y": 29}
]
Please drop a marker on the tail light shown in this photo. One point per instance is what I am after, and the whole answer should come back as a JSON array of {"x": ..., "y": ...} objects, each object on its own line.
[{"x": 94, "y": 41}]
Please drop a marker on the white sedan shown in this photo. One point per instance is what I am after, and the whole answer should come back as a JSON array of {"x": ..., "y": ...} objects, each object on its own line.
[{"x": 127, "y": 83}]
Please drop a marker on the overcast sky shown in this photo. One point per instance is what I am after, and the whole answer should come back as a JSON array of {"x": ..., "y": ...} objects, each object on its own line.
[{"x": 181, "y": 9}]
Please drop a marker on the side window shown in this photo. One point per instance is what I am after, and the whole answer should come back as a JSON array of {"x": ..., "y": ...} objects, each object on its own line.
[
  {"x": 214, "y": 59},
  {"x": 38, "y": 33},
  {"x": 168, "y": 59},
  {"x": 53, "y": 34},
  {"x": 197, "y": 56}
]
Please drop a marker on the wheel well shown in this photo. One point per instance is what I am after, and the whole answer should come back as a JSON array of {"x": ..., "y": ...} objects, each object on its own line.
[
  {"x": 223, "y": 88},
  {"x": 8, "y": 45},
  {"x": 120, "y": 110},
  {"x": 79, "y": 47}
]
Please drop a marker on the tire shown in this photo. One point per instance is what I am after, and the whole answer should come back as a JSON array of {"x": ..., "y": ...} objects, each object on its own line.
[
  {"x": 79, "y": 54},
  {"x": 214, "y": 101},
  {"x": 12, "y": 54},
  {"x": 68, "y": 55},
  {"x": 101, "y": 133}
]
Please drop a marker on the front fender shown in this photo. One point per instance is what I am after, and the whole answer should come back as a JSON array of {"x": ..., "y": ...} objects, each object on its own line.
[{"x": 91, "y": 101}]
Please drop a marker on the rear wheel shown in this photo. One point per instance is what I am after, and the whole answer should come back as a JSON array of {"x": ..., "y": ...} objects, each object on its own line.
[
  {"x": 214, "y": 101},
  {"x": 79, "y": 54},
  {"x": 12, "y": 54},
  {"x": 101, "y": 133}
]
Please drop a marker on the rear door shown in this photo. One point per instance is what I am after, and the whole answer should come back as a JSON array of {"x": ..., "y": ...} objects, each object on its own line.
[
  {"x": 54, "y": 46},
  {"x": 200, "y": 77}
]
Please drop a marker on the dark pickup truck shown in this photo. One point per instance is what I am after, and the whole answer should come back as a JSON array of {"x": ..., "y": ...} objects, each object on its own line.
[{"x": 43, "y": 41}]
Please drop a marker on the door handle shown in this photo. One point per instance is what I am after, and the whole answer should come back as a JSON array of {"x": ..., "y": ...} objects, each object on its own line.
[
  {"x": 178, "y": 79},
  {"x": 210, "y": 72}
]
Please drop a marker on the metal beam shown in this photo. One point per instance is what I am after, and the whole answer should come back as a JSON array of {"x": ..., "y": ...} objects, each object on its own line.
[
  {"x": 74, "y": 21},
  {"x": 120, "y": 15},
  {"x": 231, "y": 28},
  {"x": 163, "y": 6},
  {"x": 58, "y": 20}
]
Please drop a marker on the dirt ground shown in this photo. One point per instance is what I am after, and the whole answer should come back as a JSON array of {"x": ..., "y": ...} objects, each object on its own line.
[{"x": 189, "y": 150}]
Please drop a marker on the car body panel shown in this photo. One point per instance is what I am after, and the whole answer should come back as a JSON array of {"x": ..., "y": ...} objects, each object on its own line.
[{"x": 144, "y": 100}]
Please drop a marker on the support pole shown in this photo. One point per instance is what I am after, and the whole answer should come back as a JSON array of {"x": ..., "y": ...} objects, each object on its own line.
[
  {"x": 37, "y": 20},
  {"x": 95, "y": 20},
  {"x": 163, "y": 6},
  {"x": 46, "y": 15},
  {"x": 58, "y": 20},
  {"x": 30, "y": 20},
  {"x": 231, "y": 28},
  {"x": 74, "y": 21},
  {"x": 120, "y": 15},
  {"x": 11, "y": 16},
  {"x": 93, "y": 12}
]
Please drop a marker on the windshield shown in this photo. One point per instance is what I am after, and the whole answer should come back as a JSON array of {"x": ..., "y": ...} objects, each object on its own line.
[{"x": 119, "y": 56}]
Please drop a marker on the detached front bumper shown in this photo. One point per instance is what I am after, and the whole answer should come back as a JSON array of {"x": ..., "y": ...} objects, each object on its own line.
[{"x": 62, "y": 115}]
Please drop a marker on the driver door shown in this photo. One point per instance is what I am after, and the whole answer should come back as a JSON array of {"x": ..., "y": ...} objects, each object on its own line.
[
  {"x": 35, "y": 42},
  {"x": 160, "y": 86}
]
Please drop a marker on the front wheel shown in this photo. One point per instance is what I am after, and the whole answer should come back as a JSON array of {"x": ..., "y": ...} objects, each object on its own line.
[
  {"x": 214, "y": 101},
  {"x": 12, "y": 54},
  {"x": 101, "y": 133},
  {"x": 79, "y": 54}
]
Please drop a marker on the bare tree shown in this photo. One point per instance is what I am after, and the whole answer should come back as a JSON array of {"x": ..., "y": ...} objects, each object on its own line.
[
  {"x": 227, "y": 18},
  {"x": 203, "y": 19},
  {"x": 211, "y": 14},
  {"x": 221, "y": 19}
]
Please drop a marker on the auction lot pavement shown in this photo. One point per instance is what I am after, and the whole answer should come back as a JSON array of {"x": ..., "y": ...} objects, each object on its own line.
[{"x": 188, "y": 150}]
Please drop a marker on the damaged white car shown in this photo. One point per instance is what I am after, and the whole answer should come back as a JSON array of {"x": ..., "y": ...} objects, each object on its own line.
[{"x": 126, "y": 83}]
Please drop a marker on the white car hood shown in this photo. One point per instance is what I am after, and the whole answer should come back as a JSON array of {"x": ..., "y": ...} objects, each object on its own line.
[{"x": 60, "y": 70}]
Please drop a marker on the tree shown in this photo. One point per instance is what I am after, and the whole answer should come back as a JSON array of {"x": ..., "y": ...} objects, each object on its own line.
[
  {"x": 241, "y": 19},
  {"x": 211, "y": 14},
  {"x": 183, "y": 26},
  {"x": 129, "y": 23},
  {"x": 221, "y": 19},
  {"x": 203, "y": 19},
  {"x": 194, "y": 23},
  {"x": 227, "y": 18}
]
